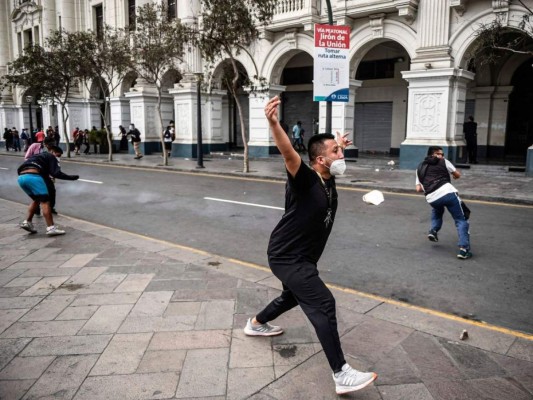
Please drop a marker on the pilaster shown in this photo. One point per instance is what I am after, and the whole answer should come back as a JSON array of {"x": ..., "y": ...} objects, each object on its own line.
[
  {"x": 143, "y": 111},
  {"x": 529, "y": 161},
  {"x": 433, "y": 34},
  {"x": 119, "y": 108},
  {"x": 185, "y": 100},
  {"x": 498, "y": 122},
  {"x": 483, "y": 117},
  {"x": 342, "y": 117},
  {"x": 435, "y": 114},
  {"x": 78, "y": 117},
  {"x": 261, "y": 143}
]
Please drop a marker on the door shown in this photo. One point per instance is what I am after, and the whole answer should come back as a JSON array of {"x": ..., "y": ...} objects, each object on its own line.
[{"x": 373, "y": 127}]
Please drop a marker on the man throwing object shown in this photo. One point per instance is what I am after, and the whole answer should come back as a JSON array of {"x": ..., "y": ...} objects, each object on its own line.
[{"x": 297, "y": 242}]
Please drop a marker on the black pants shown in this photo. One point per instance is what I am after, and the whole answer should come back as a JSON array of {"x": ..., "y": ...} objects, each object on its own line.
[
  {"x": 302, "y": 286},
  {"x": 471, "y": 148}
]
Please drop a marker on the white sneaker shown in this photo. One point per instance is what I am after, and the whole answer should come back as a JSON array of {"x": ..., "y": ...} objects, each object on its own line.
[
  {"x": 54, "y": 231},
  {"x": 261, "y": 330},
  {"x": 28, "y": 226},
  {"x": 350, "y": 379}
]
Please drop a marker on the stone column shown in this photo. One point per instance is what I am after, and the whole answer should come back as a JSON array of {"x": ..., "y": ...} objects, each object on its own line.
[
  {"x": 433, "y": 35},
  {"x": 119, "y": 108},
  {"x": 6, "y": 96},
  {"x": 213, "y": 131},
  {"x": 78, "y": 117},
  {"x": 498, "y": 121},
  {"x": 47, "y": 114},
  {"x": 261, "y": 143},
  {"x": 185, "y": 103},
  {"x": 435, "y": 114},
  {"x": 483, "y": 114},
  {"x": 342, "y": 117},
  {"x": 529, "y": 161},
  {"x": 143, "y": 102}
]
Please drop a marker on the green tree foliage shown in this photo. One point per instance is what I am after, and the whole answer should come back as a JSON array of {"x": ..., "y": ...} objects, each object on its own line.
[
  {"x": 157, "y": 48},
  {"x": 496, "y": 40},
  {"x": 53, "y": 70},
  {"x": 227, "y": 29},
  {"x": 106, "y": 68}
]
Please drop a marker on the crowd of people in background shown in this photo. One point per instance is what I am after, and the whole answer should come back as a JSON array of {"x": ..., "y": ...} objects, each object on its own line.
[
  {"x": 82, "y": 139},
  {"x": 21, "y": 141}
]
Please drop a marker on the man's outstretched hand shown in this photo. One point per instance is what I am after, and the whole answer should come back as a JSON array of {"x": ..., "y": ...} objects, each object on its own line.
[
  {"x": 271, "y": 110},
  {"x": 343, "y": 140}
]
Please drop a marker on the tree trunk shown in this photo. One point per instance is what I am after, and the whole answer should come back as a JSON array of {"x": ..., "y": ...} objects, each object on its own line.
[
  {"x": 246, "y": 161},
  {"x": 161, "y": 138},
  {"x": 234, "y": 86},
  {"x": 65, "y": 118},
  {"x": 108, "y": 134}
]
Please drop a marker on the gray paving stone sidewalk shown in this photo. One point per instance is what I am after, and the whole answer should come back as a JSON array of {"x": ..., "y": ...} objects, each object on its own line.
[{"x": 102, "y": 314}]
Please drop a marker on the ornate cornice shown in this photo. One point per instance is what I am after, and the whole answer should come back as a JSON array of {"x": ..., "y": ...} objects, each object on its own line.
[{"x": 25, "y": 11}]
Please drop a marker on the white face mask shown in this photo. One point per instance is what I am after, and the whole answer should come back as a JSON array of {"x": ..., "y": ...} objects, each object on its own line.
[{"x": 337, "y": 167}]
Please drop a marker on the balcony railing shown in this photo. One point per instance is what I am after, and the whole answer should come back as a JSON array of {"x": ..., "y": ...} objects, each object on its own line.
[
  {"x": 286, "y": 6},
  {"x": 294, "y": 13}
]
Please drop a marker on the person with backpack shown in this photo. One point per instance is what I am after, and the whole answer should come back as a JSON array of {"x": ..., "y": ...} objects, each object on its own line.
[
  {"x": 135, "y": 141},
  {"x": 25, "y": 139},
  {"x": 433, "y": 178},
  {"x": 168, "y": 138}
]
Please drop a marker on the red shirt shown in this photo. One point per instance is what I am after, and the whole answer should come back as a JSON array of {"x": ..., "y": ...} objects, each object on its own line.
[{"x": 39, "y": 136}]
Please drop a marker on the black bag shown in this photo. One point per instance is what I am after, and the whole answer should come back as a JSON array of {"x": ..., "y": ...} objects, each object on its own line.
[{"x": 466, "y": 210}]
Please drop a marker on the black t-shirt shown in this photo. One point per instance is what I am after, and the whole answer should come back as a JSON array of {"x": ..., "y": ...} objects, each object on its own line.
[
  {"x": 304, "y": 228},
  {"x": 47, "y": 165}
]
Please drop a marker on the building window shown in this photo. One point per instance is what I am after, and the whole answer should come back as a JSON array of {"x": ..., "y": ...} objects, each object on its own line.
[
  {"x": 376, "y": 69},
  {"x": 172, "y": 14},
  {"x": 19, "y": 42},
  {"x": 99, "y": 20},
  {"x": 131, "y": 14},
  {"x": 36, "y": 35},
  {"x": 28, "y": 38}
]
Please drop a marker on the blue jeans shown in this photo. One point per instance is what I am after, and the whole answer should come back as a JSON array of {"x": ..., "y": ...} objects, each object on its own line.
[{"x": 453, "y": 204}]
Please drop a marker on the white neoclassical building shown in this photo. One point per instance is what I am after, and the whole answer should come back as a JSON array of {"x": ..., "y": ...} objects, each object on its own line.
[{"x": 412, "y": 83}]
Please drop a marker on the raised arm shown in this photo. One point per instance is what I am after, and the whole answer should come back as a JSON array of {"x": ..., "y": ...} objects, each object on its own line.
[{"x": 283, "y": 143}]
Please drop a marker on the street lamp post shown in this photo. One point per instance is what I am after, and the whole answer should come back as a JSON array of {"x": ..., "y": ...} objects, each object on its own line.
[
  {"x": 199, "y": 148},
  {"x": 29, "y": 100},
  {"x": 329, "y": 105}
]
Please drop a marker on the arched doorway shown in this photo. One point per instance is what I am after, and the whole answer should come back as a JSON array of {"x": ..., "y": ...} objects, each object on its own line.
[
  {"x": 297, "y": 101},
  {"x": 231, "y": 123},
  {"x": 99, "y": 93},
  {"x": 381, "y": 101},
  {"x": 520, "y": 117}
]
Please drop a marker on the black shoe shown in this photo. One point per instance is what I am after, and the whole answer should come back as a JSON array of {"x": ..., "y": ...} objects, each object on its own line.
[
  {"x": 54, "y": 211},
  {"x": 464, "y": 254},
  {"x": 432, "y": 236}
]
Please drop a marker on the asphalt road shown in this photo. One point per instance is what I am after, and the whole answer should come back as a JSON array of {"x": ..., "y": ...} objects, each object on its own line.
[{"x": 381, "y": 250}]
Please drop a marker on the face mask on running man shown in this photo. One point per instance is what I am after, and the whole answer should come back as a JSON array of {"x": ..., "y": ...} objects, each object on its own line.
[{"x": 337, "y": 167}]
